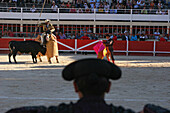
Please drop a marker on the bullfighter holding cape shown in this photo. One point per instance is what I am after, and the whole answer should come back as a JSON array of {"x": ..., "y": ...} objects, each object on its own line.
[{"x": 105, "y": 48}]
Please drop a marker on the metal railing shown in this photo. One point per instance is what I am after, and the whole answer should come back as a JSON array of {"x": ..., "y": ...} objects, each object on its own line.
[{"x": 85, "y": 14}]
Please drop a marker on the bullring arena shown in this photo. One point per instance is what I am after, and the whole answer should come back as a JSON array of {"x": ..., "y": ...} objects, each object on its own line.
[{"x": 145, "y": 80}]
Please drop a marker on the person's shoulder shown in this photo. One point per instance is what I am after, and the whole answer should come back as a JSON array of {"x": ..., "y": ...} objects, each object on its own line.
[
  {"x": 61, "y": 108},
  {"x": 120, "y": 109}
]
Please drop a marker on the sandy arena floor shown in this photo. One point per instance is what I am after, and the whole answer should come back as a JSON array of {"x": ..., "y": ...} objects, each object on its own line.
[{"x": 145, "y": 79}]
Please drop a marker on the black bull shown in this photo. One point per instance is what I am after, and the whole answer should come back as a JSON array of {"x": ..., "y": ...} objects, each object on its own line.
[{"x": 31, "y": 47}]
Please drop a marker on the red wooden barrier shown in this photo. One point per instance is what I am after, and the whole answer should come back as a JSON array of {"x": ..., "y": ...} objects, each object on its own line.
[
  {"x": 81, "y": 43},
  {"x": 120, "y": 45},
  {"x": 141, "y": 46},
  {"x": 162, "y": 46},
  {"x": 4, "y": 42},
  {"x": 68, "y": 42},
  {"x": 136, "y": 47}
]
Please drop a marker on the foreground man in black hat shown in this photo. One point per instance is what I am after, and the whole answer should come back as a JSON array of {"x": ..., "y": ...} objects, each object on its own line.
[{"x": 91, "y": 81}]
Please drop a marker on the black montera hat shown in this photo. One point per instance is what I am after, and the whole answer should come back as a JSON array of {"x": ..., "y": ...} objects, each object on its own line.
[{"x": 88, "y": 66}]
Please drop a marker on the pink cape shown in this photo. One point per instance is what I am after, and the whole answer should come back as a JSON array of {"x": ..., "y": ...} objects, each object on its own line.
[{"x": 99, "y": 47}]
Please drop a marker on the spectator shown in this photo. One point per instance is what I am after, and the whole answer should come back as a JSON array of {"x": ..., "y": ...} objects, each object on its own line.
[
  {"x": 94, "y": 37},
  {"x": 92, "y": 3},
  {"x": 12, "y": 9},
  {"x": 164, "y": 32},
  {"x": 142, "y": 4},
  {"x": 85, "y": 37},
  {"x": 138, "y": 3},
  {"x": 57, "y": 36},
  {"x": 63, "y": 8},
  {"x": 73, "y": 10},
  {"x": 85, "y": 5},
  {"x": 125, "y": 36},
  {"x": 106, "y": 30},
  {"x": 18, "y": 3},
  {"x": 94, "y": 8},
  {"x": 116, "y": 33},
  {"x": 129, "y": 5},
  {"x": 10, "y": 33},
  {"x": 74, "y": 2},
  {"x": 27, "y": 1},
  {"x": 119, "y": 35},
  {"x": 80, "y": 10},
  {"x": 78, "y": 36},
  {"x": 117, "y": 6},
  {"x": 152, "y": 4},
  {"x": 14, "y": 1},
  {"x": 72, "y": 36},
  {"x": 148, "y": 33},
  {"x": 160, "y": 6},
  {"x": 82, "y": 4},
  {"x": 157, "y": 34},
  {"x": 101, "y": 5},
  {"x": 100, "y": 10},
  {"x": 106, "y": 11},
  {"x": 87, "y": 10},
  {"x": 133, "y": 37},
  {"x": 68, "y": 36},
  {"x": 82, "y": 31},
  {"x": 119, "y": 1},
  {"x": 89, "y": 31},
  {"x": 151, "y": 11},
  {"x": 54, "y": 7},
  {"x": 164, "y": 12},
  {"x": 97, "y": 3},
  {"x": 159, "y": 12},
  {"x": 144, "y": 11},
  {"x": 33, "y": 9},
  {"x": 78, "y": 4},
  {"x": 142, "y": 37},
  {"x": 163, "y": 38},
  {"x": 63, "y": 5},
  {"x": 113, "y": 10},
  {"x": 106, "y": 6},
  {"x": 156, "y": 1},
  {"x": 122, "y": 9},
  {"x": 5, "y": 33},
  {"x": 114, "y": 37},
  {"x": 62, "y": 35},
  {"x": 135, "y": 5},
  {"x": 68, "y": 5}
]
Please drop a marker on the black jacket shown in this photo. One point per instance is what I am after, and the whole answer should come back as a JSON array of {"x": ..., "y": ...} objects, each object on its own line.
[
  {"x": 84, "y": 105},
  {"x": 109, "y": 44}
]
